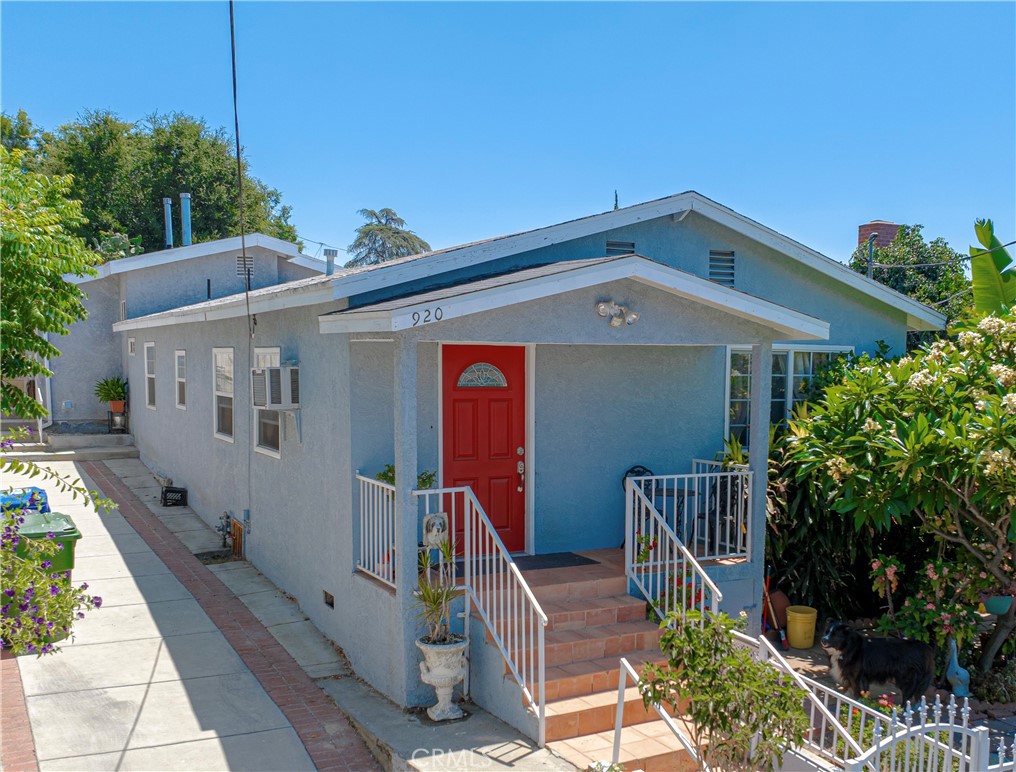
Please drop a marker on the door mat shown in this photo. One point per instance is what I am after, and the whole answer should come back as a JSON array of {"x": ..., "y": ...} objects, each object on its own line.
[
  {"x": 534, "y": 562},
  {"x": 553, "y": 560}
]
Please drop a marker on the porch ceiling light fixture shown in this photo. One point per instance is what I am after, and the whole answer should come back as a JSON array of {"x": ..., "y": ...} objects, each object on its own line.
[{"x": 617, "y": 314}]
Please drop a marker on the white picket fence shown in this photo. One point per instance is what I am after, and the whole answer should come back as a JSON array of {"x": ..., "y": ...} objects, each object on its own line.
[{"x": 850, "y": 735}]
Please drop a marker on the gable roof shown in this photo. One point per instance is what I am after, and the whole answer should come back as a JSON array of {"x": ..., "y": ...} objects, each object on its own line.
[
  {"x": 285, "y": 249},
  {"x": 415, "y": 267},
  {"x": 527, "y": 284}
]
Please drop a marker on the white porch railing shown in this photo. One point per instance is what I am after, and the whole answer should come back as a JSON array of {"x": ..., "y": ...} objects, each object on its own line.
[
  {"x": 710, "y": 510},
  {"x": 847, "y": 734},
  {"x": 503, "y": 599},
  {"x": 659, "y": 564},
  {"x": 626, "y": 673},
  {"x": 377, "y": 530},
  {"x": 851, "y": 735}
]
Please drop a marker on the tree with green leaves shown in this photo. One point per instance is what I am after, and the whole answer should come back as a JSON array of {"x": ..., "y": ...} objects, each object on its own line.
[
  {"x": 122, "y": 171},
  {"x": 38, "y": 247},
  {"x": 993, "y": 271},
  {"x": 927, "y": 443},
  {"x": 929, "y": 272},
  {"x": 39, "y": 605},
  {"x": 382, "y": 238}
]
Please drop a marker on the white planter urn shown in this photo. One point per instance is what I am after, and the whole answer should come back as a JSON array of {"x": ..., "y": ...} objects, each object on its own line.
[{"x": 443, "y": 666}]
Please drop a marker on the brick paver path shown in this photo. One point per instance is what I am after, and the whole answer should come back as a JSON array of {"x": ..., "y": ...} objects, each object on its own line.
[
  {"x": 17, "y": 747},
  {"x": 323, "y": 728}
]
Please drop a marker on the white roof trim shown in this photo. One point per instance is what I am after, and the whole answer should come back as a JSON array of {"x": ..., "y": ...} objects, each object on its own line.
[
  {"x": 789, "y": 323},
  {"x": 235, "y": 306},
  {"x": 919, "y": 316},
  {"x": 305, "y": 261},
  {"x": 285, "y": 249}
]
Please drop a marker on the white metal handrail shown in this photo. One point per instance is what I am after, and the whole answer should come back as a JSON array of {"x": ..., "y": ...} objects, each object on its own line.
[
  {"x": 711, "y": 509},
  {"x": 377, "y": 530},
  {"x": 504, "y": 601},
  {"x": 659, "y": 564},
  {"x": 626, "y": 672},
  {"x": 766, "y": 652}
]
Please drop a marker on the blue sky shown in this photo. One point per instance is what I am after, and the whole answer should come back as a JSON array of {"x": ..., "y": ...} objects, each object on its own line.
[{"x": 473, "y": 120}]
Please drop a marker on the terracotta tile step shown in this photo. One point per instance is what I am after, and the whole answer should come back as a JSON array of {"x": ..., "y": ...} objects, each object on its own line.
[
  {"x": 581, "y": 588},
  {"x": 588, "y": 612},
  {"x": 651, "y": 747},
  {"x": 594, "y": 713},
  {"x": 578, "y": 679},
  {"x": 562, "y": 647}
]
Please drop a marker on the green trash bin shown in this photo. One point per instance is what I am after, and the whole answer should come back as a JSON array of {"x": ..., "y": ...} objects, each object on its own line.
[{"x": 38, "y": 525}]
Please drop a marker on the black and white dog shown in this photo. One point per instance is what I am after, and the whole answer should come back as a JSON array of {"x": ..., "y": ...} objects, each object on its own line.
[{"x": 856, "y": 661}]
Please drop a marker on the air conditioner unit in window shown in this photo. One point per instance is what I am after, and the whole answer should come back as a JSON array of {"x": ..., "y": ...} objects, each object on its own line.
[{"x": 275, "y": 388}]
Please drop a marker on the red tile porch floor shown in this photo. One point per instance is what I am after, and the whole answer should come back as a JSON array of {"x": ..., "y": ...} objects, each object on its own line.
[{"x": 321, "y": 725}]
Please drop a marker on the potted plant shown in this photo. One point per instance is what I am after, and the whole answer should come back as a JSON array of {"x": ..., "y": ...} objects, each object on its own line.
[
  {"x": 444, "y": 652},
  {"x": 114, "y": 391}
]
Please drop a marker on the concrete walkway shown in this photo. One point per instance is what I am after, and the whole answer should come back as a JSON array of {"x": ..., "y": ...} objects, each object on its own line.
[
  {"x": 145, "y": 555},
  {"x": 173, "y": 672}
]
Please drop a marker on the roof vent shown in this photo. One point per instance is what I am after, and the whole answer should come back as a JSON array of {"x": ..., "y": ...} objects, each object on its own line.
[
  {"x": 620, "y": 248},
  {"x": 721, "y": 267},
  {"x": 242, "y": 264}
]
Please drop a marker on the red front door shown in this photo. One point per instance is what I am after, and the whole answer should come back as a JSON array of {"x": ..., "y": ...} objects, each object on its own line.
[{"x": 483, "y": 402}]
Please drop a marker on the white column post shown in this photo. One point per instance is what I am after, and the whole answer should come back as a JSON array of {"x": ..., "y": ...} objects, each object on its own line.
[
  {"x": 405, "y": 503},
  {"x": 758, "y": 462}
]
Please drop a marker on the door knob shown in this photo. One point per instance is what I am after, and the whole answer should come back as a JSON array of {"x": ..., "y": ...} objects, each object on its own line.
[{"x": 521, "y": 469}]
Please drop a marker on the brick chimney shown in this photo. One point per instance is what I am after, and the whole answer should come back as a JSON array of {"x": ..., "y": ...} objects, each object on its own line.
[{"x": 886, "y": 232}]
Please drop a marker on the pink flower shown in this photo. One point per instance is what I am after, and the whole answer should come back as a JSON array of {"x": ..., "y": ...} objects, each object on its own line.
[
  {"x": 877, "y": 564},
  {"x": 929, "y": 607}
]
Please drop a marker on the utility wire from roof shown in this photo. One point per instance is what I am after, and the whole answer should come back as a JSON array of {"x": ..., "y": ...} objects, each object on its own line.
[
  {"x": 947, "y": 262},
  {"x": 321, "y": 243}
]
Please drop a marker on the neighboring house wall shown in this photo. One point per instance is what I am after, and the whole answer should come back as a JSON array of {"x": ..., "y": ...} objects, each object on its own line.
[
  {"x": 290, "y": 271},
  {"x": 162, "y": 287},
  {"x": 88, "y": 353}
]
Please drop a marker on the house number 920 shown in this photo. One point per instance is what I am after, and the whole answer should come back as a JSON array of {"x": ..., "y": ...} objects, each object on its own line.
[{"x": 427, "y": 315}]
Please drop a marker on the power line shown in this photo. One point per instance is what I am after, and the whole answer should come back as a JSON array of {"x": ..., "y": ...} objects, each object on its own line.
[
  {"x": 948, "y": 262},
  {"x": 322, "y": 243}
]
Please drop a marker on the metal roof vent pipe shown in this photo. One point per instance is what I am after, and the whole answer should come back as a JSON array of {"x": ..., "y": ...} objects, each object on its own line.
[
  {"x": 167, "y": 209},
  {"x": 185, "y": 218},
  {"x": 330, "y": 255}
]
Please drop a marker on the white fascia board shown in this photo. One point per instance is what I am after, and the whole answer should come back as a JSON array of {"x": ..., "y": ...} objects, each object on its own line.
[
  {"x": 917, "y": 313},
  {"x": 285, "y": 249},
  {"x": 412, "y": 270},
  {"x": 367, "y": 321},
  {"x": 308, "y": 262},
  {"x": 231, "y": 310},
  {"x": 786, "y": 321}
]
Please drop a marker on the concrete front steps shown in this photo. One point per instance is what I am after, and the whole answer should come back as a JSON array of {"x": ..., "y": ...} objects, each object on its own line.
[
  {"x": 592, "y": 623},
  {"x": 77, "y": 447}
]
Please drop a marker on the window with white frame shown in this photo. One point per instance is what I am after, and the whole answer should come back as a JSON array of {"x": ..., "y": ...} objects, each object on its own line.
[
  {"x": 269, "y": 422},
  {"x": 181, "y": 379},
  {"x": 222, "y": 360},
  {"x": 792, "y": 367},
  {"x": 150, "y": 375}
]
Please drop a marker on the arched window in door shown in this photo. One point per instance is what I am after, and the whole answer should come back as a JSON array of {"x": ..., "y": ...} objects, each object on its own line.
[{"x": 482, "y": 376}]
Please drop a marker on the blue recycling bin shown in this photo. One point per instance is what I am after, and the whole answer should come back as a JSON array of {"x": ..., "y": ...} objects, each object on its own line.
[{"x": 32, "y": 499}]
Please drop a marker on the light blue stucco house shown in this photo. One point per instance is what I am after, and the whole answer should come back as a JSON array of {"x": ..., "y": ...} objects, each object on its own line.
[
  {"x": 147, "y": 284},
  {"x": 530, "y": 372}
]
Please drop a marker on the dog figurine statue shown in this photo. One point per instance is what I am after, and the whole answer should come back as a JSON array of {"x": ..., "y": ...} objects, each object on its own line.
[{"x": 856, "y": 661}]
